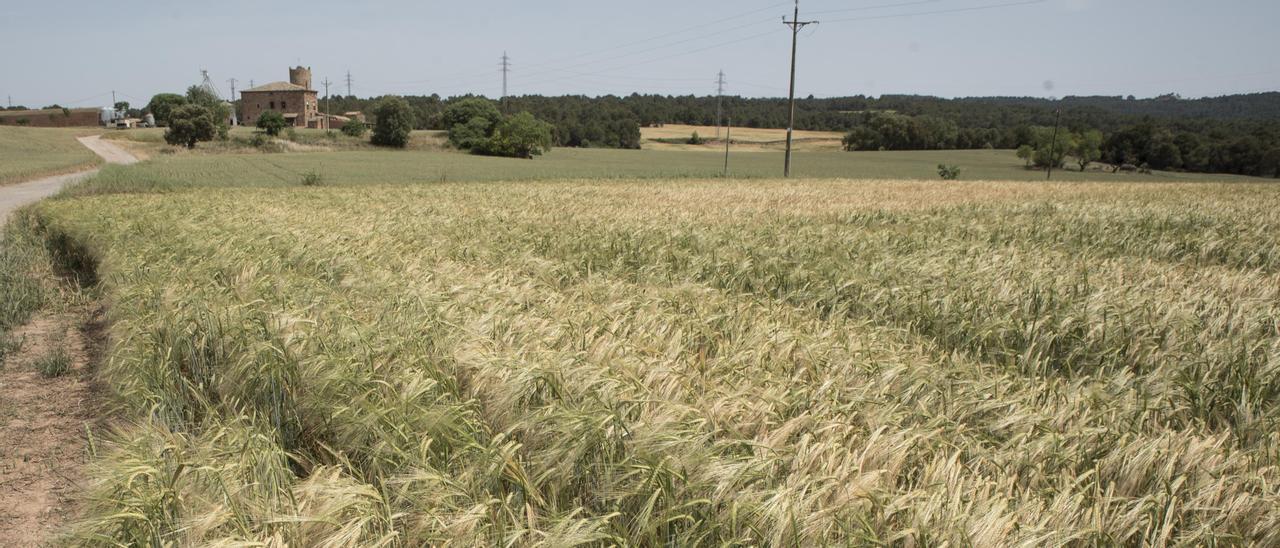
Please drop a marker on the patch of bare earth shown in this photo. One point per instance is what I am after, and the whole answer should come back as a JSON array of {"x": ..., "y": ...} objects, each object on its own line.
[{"x": 44, "y": 426}]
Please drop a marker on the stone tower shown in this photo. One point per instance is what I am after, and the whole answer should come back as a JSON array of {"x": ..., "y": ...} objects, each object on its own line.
[{"x": 300, "y": 76}]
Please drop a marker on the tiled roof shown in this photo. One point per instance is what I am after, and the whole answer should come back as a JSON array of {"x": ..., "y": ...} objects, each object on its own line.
[{"x": 277, "y": 86}]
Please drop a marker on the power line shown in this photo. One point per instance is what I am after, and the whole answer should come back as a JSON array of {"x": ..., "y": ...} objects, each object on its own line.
[
  {"x": 796, "y": 24},
  {"x": 554, "y": 65},
  {"x": 661, "y": 36},
  {"x": 876, "y": 7},
  {"x": 939, "y": 12}
]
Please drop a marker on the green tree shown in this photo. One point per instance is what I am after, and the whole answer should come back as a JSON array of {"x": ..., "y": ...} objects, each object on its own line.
[
  {"x": 271, "y": 122},
  {"x": 162, "y": 105},
  {"x": 1087, "y": 148},
  {"x": 470, "y": 122},
  {"x": 189, "y": 124},
  {"x": 1049, "y": 151},
  {"x": 695, "y": 139},
  {"x": 121, "y": 106},
  {"x": 1027, "y": 153},
  {"x": 354, "y": 128},
  {"x": 520, "y": 136},
  {"x": 463, "y": 111},
  {"x": 219, "y": 110},
  {"x": 472, "y": 135},
  {"x": 394, "y": 122}
]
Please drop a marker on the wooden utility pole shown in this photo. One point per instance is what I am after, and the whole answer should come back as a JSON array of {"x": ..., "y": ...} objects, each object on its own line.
[
  {"x": 1053, "y": 148},
  {"x": 728, "y": 138},
  {"x": 796, "y": 24}
]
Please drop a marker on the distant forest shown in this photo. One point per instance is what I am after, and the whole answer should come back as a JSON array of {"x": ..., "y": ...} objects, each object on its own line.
[{"x": 1230, "y": 134}]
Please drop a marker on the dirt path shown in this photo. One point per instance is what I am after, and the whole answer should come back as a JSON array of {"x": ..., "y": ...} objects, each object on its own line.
[
  {"x": 15, "y": 196},
  {"x": 45, "y": 421},
  {"x": 109, "y": 151},
  {"x": 47, "y": 401}
]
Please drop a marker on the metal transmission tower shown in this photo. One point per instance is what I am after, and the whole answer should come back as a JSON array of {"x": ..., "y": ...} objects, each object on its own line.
[
  {"x": 348, "y": 83},
  {"x": 233, "y": 98},
  {"x": 326, "y": 83},
  {"x": 719, "y": 101},
  {"x": 796, "y": 24},
  {"x": 506, "y": 69}
]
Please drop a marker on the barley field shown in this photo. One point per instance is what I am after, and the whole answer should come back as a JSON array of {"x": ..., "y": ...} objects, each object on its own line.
[
  {"x": 27, "y": 153},
  {"x": 686, "y": 363}
]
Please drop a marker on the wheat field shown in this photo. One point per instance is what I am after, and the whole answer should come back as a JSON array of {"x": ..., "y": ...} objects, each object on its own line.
[
  {"x": 27, "y": 153},
  {"x": 687, "y": 363}
]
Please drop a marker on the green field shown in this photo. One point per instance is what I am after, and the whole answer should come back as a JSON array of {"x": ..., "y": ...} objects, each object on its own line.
[
  {"x": 27, "y": 153},
  {"x": 680, "y": 362},
  {"x": 168, "y": 172}
]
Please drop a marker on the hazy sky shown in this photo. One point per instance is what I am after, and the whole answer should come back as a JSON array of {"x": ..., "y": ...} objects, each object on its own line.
[{"x": 75, "y": 52}]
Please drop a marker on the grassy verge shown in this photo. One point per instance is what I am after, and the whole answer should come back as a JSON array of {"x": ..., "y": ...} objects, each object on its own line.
[
  {"x": 688, "y": 363},
  {"x": 23, "y": 259},
  {"x": 27, "y": 153}
]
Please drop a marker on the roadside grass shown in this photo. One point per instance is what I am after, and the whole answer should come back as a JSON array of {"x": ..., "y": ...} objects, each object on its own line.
[
  {"x": 27, "y": 153},
  {"x": 687, "y": 362},
  {"x": 22, "y": 260}
]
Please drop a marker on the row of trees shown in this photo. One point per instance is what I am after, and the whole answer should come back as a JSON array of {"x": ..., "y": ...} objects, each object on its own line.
[{"x": 477, "y": 125}]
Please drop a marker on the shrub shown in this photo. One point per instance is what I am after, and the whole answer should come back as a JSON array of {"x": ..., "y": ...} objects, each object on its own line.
[
  {"x": 189, "y": 124},
  {"x": 519, "y": 136},
  {"x": 312, "y": 178},
  {"x": 1027, "y": 153},
  {"x": 271, "y": 122},
  {"x": 948, "y": 173},
  {"x": 394, "y": 122},
  {"x": 354, "y": 128},
  {"x": 695, "y": 139},
  {"x": 291, "y": 134},
  {"x": 24, "y": 121}
]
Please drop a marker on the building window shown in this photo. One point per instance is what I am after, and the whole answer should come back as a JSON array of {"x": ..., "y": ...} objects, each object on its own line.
[
  {"x": 284, "y": 105},
  {"x": 273, "y": 105}
]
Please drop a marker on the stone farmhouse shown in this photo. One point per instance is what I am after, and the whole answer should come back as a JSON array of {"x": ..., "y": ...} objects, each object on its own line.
[{"x": 294, "y": 99}]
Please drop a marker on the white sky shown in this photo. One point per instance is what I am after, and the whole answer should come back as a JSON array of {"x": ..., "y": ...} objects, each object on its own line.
[{"x": 75, "y": 52}]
